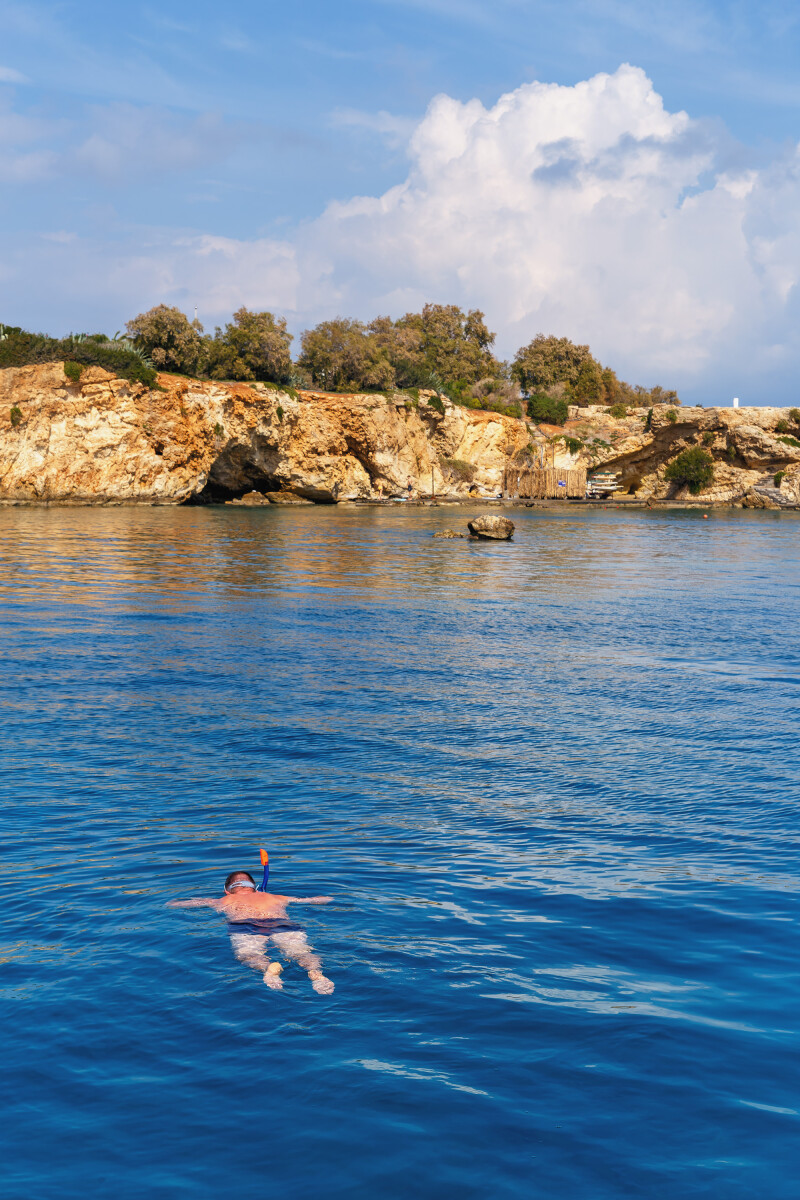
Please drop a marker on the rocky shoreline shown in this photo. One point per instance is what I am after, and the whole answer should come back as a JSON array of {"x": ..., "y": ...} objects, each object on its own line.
[{"x": 101, "y": 440}]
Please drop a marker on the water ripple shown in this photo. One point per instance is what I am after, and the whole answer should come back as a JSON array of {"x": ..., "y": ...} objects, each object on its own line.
[{"x": 552, "y": 787}]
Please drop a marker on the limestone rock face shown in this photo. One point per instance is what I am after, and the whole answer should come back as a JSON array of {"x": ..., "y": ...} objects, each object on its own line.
[
  {"x": 498, "y": 528},
  {"x": 104, "y": 440},
  {"x": 755, "y": 499},
  {"x": 743, "y": 442}
]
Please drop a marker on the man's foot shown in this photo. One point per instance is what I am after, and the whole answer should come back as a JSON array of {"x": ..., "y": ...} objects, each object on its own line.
[
  {"x": 272, "y": 976},
  {"x": 320, "y": 983}
]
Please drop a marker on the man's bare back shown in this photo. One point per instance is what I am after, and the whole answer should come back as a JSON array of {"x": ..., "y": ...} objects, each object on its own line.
[{"x": 262, "y": 917}]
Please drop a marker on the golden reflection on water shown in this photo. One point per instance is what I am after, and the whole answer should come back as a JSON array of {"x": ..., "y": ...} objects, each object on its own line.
[{"x": 99, "y": 557}]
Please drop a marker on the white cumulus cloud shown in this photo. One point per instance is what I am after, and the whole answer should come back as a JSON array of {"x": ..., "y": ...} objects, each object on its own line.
[{"x": 589, "y": 211}]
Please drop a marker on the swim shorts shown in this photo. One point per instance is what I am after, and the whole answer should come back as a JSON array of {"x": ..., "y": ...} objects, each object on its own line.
[{"x": 266, "y": 927}]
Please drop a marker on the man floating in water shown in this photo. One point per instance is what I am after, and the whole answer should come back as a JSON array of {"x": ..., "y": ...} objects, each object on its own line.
[{"x": 256, "y": 918}]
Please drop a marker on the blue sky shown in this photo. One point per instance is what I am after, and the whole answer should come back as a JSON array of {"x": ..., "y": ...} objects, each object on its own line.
[{"x": 192, "y": 153}]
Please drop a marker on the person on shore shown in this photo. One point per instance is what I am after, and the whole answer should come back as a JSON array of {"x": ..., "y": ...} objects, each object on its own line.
[{"x": 256, "y": 918}]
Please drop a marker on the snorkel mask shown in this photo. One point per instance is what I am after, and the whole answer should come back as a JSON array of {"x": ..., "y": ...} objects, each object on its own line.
[
  {"x": 241, "y": 883},
  {"x": 248, "y": 883}
]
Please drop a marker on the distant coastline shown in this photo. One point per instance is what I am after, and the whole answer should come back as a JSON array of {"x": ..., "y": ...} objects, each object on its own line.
[{"x": 89, "y": 437}]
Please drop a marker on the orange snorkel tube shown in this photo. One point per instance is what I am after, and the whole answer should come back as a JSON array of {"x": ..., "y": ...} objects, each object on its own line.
[{"x": 265, "y": 865}]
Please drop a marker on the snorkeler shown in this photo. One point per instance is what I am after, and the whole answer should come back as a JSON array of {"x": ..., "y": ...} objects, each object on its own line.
[{"x": 255, "y": 918}]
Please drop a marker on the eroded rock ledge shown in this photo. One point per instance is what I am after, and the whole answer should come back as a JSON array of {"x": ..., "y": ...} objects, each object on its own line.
[{"x": 107, "y": 441}]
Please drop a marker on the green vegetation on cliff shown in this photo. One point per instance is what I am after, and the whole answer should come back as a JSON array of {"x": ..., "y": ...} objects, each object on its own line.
[
  {"x": 120, "y": 356},
  {"x": 693, "y": 467},
  {"x": 557, "y": 366},
  {"x": 442, "y": 349}
]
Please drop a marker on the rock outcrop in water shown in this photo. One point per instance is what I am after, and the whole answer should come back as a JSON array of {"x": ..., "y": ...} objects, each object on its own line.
[
  {"x": 105, "y": 440},
  {"x": 498, "y": 529}
]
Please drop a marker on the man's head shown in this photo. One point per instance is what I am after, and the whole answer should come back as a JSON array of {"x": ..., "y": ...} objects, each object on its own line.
[{"x": 239, "y": 881}]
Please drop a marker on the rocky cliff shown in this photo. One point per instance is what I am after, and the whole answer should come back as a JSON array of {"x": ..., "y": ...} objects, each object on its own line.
[
  {"x": 105, "y": 440},
  {"x": 749, "y": 447}
]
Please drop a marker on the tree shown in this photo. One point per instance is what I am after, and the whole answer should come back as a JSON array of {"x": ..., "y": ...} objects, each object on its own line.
[
  {"x": 548, "y": 361},
  {"x": 342, "y": 356},
  {"x": 589, "y": 387},
  {"x": 402, "y": 344},
  {"x": 168, "y": 338},
  {"x": 658, "y": 395},
  {"x": 694, "y": 467},
  {"x": 449, "y": 343},
  {"x": 557, "y": 365},
  {"x": 254, "y": 346}
]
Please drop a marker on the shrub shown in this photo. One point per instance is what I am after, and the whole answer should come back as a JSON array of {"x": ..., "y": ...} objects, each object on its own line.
[
  {"x": 649, "y": 421},
  {"x": 73, "y": 370},
  {"x": 619, "y": 411},
  {"x": 794, "y": 413},
  {"x": 694, "y": 467},
  {"x": 782, "y": 426},
  {"x": 549, "y": 409},
  {"x": 497, "y": 391},
  {"x": 778, "y": 478},
  {"x": 285, "y": 389},
  {"x": 671, "y": 415},
  {"x": 789, "y": 441},
  {"x": 573, "y": 444},
  {"x": 15, "y": 415},
  {"x": 708, "y": 437},
  {"x": 461, "y": 470},
  {"x": 168, "y": 338},
  {"x": 435, "y": 402},
  {"x": 279, "y": 414},
  {"x": 218, "y": 430},
  {"x": 119, "y": 356}
]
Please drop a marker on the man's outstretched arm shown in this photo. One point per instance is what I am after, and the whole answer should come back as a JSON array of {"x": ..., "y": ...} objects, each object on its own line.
[
  {"x": 308, "y": 899},
  {"x": 199, "y": 902}
]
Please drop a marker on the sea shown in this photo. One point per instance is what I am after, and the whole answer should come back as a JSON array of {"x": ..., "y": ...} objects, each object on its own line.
[{"x": 551, "y": 786}]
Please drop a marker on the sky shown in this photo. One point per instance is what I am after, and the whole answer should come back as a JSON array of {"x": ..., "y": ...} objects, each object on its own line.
[{"x": 626, "y": 174}]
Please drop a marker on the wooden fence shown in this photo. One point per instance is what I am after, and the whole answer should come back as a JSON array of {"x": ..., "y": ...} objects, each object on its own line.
[{"x": 540, "y": 483}]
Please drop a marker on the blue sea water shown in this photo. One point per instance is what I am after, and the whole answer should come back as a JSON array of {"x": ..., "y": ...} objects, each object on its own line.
[{"x": 551, "y": 785}]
